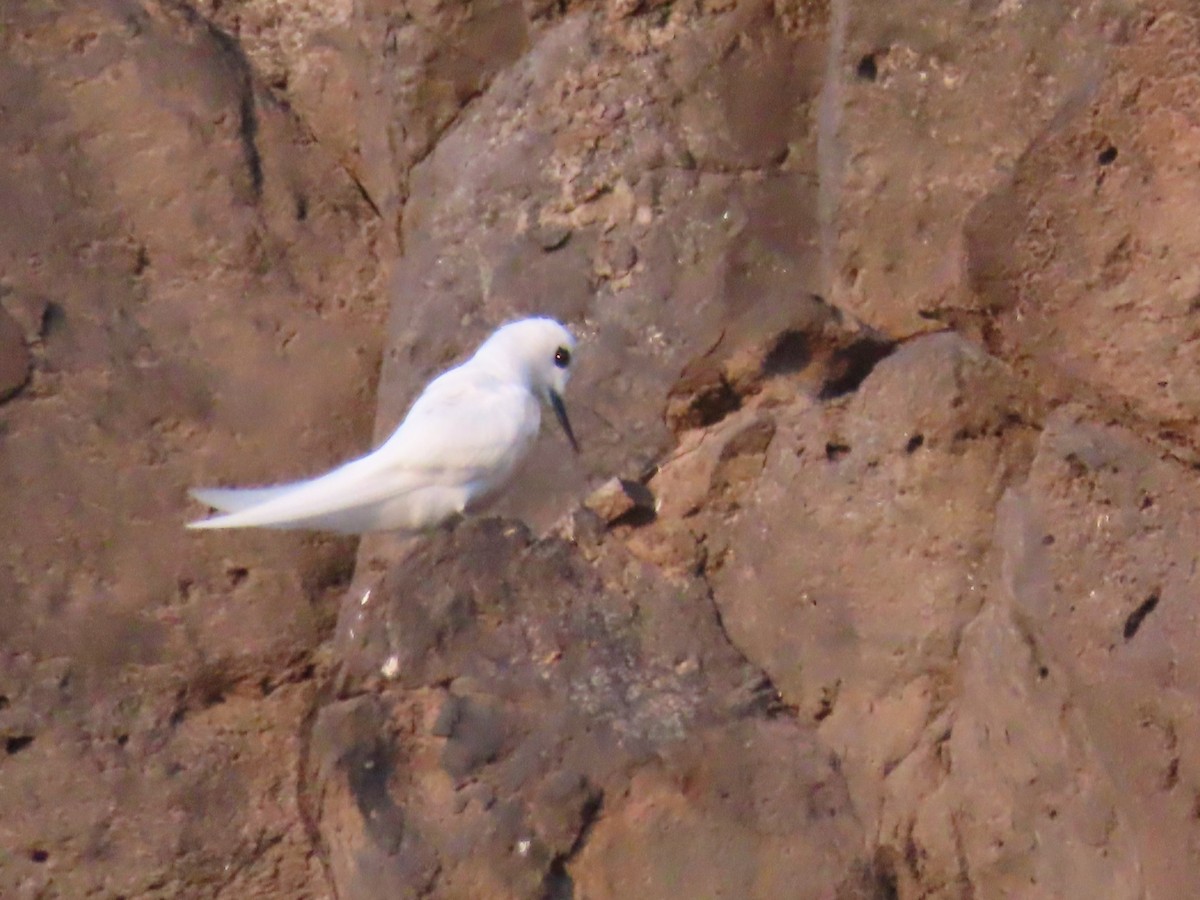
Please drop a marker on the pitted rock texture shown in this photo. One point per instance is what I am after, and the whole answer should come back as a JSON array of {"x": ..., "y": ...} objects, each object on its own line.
[
  {"x": 873, "y": 579},
  {"x": 164, "y": 266},
  {"x": 519, "y": 694}
]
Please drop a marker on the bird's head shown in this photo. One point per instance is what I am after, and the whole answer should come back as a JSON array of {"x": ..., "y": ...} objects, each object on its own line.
[{"x": 541, "y": 353}]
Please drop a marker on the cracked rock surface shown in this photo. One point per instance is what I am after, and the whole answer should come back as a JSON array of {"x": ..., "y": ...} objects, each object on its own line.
[{"x": 875, "y": 576}]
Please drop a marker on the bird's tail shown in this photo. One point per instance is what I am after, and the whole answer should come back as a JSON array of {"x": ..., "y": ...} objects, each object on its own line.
[
  {"x": 229, "y": 500},
  {"x": 346, "y": 500}
]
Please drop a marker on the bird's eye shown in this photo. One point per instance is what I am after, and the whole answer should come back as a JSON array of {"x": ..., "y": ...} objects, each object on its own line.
[{"x": 562, "y": 357}]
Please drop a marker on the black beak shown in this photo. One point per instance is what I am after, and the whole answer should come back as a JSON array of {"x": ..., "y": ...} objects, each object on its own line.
[{"x": 560, "y": 412}]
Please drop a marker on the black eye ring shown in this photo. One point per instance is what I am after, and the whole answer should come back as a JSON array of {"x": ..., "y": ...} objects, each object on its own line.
[{"x": 562, "y": 357}]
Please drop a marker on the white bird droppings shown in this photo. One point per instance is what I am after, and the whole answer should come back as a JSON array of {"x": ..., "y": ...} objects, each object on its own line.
[{"x": 390, "y": 668}]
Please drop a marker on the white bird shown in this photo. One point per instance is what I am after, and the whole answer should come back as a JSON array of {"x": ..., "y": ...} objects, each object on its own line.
[{"x": 457, "y": 448}]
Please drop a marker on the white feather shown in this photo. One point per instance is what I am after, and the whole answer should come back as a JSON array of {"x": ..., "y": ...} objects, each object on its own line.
[{"x": 459, "y": 444}]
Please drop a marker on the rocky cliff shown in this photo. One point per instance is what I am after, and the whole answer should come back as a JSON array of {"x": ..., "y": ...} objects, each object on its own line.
[{"x": 889, "y": 318}]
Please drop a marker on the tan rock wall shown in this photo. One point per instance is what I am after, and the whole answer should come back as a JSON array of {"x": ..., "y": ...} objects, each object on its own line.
[{"x": 890, "y": 308}]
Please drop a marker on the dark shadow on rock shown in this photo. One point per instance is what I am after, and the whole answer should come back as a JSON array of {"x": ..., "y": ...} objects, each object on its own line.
[{"x": 850, "y": 366}]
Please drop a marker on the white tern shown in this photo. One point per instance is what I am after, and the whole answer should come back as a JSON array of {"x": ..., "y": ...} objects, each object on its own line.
[{"x": 457, "y": 447}]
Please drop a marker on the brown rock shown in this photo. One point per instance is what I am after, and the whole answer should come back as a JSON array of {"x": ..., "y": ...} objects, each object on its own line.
[
  {"x": 915, "y": 137},
  {"x": 570, "y": 713},
  {"x": 747, "y": 811},
  {"x": 15, "y": 360},
  {"x": 1097, "y": 567},
  {"x": 189, "y": 326},
  {"x": 1089, "y": 280},
  {"x": 912, "y": 616},
  {"x": 619, "y": 498},
  {"x": 863, "y": 640}
]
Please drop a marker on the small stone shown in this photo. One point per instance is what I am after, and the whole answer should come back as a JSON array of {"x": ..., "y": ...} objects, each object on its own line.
[
  {"x": 551, "y": 237},
  {"x": 620, "y": 498}
]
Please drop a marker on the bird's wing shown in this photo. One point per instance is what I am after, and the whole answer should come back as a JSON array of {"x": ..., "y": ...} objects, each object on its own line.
[
  {"x": 456, "y": 434},
  {"x": 461, "y": 429}
]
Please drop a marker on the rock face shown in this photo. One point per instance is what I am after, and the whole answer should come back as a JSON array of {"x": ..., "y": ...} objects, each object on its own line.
[
  {"x": 557, "y": 719},
  {"x": 165, "y": 263},
  {"x": 874, "y": 577}
]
